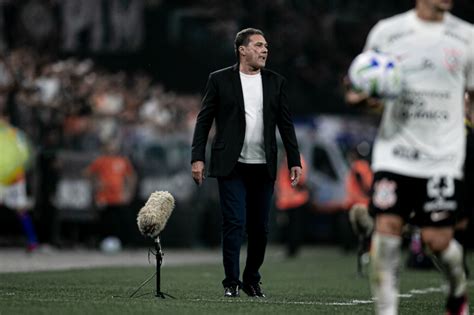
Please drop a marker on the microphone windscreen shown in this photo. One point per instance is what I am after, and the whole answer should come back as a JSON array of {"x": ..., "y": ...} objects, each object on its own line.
[{"x": 153, "y": 216}]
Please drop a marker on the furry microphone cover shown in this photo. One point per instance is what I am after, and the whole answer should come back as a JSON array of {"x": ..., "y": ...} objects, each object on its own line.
[{"x": 153, "y": 216}]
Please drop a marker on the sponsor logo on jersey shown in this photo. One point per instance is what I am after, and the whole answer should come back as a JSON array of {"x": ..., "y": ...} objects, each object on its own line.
[
  {"x": 413, "y": 100},
  {"x": 419, "y": 114},
  {"x": 442, "y": 95},
  {"x": 425, "y": 64},
  {"x": 440, "y": 204},
  {"x": 456, "y": 36},
  {"x": 437, "y": 158},
  {"x": 394, "y": 37},
  {"x": 439, "y": 216},
  {"x": 414, "y": 106},
  {"x": 406, "y": 152},
  {"x": 385, "y": 195},
  {"x": 452, "y": 59},
  {"x": 413, "y": 154}
]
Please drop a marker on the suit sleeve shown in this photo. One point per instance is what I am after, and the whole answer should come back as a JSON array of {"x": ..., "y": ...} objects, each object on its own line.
[
  {"x": 204, "y": 121},
  {"x": 286, "y": 129}
]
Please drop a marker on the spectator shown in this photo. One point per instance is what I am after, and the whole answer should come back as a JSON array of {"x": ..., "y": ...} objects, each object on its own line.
[
  {"x": 358, "y": 180},
  {"x": 292, "y": 203},
  {"x": 114, "y": 182}
]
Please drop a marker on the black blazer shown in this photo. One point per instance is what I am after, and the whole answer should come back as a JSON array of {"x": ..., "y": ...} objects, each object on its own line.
[{"x": 223, "y": 102}]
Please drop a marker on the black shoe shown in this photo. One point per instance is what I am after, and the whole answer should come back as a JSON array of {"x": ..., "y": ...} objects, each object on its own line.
[
  {"x": 231, "y": 291},
  {"x": 253, "y": 290},
  {"x": 457, "y": 306}
]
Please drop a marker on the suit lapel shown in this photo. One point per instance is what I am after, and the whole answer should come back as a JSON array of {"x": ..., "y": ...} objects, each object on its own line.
[{"x": 237, "y": 86}]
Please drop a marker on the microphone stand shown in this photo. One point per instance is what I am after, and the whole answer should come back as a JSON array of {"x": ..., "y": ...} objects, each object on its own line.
[{"x": 159, "y": 260}]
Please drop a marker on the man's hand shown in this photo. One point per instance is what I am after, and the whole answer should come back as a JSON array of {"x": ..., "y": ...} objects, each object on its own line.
[
  {"x": 295, "y": 174},
  {"x": 197, "y": 169}
]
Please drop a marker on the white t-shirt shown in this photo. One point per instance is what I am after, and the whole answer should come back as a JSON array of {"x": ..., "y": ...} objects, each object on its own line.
[
  {"x": 253, "y": 150},
  {"x": 422, "y": 132}
]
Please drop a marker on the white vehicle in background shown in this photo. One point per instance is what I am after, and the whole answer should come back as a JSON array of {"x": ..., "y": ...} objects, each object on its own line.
[
  {"x": 324, "y": 142},
  {"x": 327, "y": 167}
]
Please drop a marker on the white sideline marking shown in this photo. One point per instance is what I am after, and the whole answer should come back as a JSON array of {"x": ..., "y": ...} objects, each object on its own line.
[
  {"x": 427, "y": 290},
  {"x": 262, "y": 301},
  {"x": 408, "y": 295}
]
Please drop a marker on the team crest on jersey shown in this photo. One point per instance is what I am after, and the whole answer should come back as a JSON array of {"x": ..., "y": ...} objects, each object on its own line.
[
  {"x": 452, "y": 59},
  {"x": 385, "y": 195}
]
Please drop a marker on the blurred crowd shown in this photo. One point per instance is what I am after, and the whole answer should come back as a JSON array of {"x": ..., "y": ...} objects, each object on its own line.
[
  {"x": 79, "y": 105},
  {"x": 73, "y": 105},
  {"x": 312, "y": 43}
]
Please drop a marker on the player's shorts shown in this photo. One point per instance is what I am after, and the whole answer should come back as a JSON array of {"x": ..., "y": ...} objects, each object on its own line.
[
  {"x": 423, "y": 202},
  {"x": 14, "y": 196}
]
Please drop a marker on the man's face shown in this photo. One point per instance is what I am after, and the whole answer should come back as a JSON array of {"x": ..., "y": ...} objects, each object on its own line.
[
  {"x": 256, "y": 52},
  {"x": 439, "y": 5}
]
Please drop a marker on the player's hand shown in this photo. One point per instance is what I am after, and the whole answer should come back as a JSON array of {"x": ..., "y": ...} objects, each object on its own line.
[
  {"x": 351, "y": 96},
  {"x": 295, "y": 175},
  {"x": 197, "y": 169},
  {"x": 355, "y": 98}
]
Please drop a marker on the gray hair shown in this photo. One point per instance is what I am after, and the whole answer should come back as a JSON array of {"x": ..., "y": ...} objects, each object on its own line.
[{"x": 242, "y": 38}]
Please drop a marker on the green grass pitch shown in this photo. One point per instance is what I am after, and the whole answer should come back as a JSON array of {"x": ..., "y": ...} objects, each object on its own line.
[{"x": 319, "y": 281}]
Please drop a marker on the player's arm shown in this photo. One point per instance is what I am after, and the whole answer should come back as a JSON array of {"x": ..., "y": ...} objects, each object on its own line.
[{"x": 358, "y": 98}]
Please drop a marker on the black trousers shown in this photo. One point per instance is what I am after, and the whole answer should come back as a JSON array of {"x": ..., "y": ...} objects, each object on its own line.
[{"x": 245, "y": 197}]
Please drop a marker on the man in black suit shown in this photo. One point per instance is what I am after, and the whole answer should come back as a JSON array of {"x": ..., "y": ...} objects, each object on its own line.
[{"x": 246, "y": 102}]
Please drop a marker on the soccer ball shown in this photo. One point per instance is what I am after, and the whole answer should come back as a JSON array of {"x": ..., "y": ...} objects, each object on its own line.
[
  {"x": 377, "y": 74},
  {"x": 111, "y": 245}
]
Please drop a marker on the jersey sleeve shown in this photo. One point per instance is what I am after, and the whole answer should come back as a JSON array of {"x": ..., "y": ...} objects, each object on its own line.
[{"x": 375, "y": 38}]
